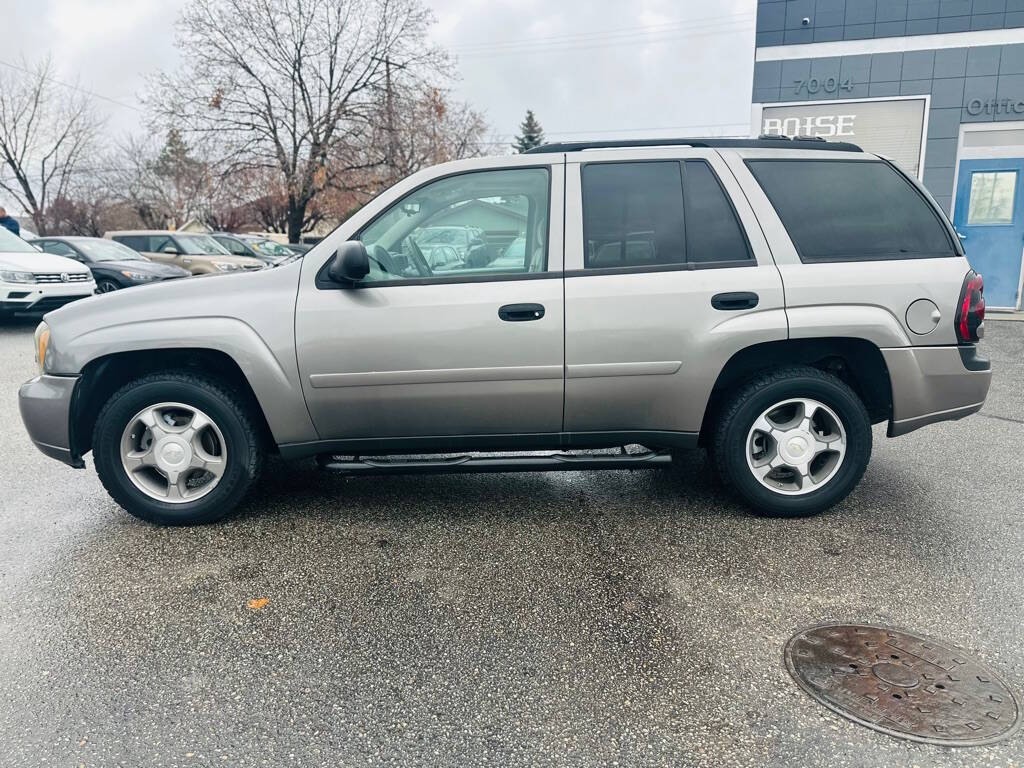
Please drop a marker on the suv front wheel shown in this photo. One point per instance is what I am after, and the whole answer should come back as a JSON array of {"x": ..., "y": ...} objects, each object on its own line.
[
  {"x": 793, "y": 442},
  {"x": 176, "y": 448}
]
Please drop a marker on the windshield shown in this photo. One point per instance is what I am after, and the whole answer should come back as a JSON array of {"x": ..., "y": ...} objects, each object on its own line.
[
  {"x": 11, "y": 243},
  {"x": 107, "y": 250},
  {"x": 439, "y": 236},
  {"x": 196, "y": 245},
  {"x": 270, "y": 248}
]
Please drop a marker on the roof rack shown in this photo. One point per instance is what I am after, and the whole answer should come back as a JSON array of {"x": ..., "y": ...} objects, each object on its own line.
[{"x": 762, "y": 142}]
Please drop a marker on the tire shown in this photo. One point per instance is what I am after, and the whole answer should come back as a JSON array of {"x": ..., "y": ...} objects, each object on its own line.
[
  {"x": 231, "y": 430},
  {"x": 842, "y": 418},
  {"x": 106, "y": 285}
]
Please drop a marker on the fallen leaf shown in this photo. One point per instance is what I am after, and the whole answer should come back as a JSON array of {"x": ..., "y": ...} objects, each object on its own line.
[{"x": 257, "y": 603}]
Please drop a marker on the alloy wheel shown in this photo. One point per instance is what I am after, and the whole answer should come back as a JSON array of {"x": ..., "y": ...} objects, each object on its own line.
[
  {"x": 796, "y": 446},
  {"x": 173, "y": 452}
]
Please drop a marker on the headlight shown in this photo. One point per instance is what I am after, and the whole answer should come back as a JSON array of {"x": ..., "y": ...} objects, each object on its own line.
[
  {"x": 42, "y": 340},
  {"x": 138, "y": 275},
  {"x": 226, "y": 266},
  {"x": 17, "y": 277}
]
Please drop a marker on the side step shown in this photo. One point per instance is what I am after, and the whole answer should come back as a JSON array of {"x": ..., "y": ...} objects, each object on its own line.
[{"x": 555, "y": 462}]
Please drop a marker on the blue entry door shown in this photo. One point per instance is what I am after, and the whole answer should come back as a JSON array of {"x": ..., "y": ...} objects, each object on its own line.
[{"x": 990, "y": 220}]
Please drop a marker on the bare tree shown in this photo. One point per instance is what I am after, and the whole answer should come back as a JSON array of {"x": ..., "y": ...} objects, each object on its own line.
[
  {"x": 290, "y": 85},
  {"x": 161, "y": 179},
  {"x": 425, "y": 129},
  {"x": 46, "y": 132},
  {"x": 432, "y": 130}
]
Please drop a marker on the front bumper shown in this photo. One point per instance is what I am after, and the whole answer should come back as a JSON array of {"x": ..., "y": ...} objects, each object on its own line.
[
  {"x": 45, "y": 405},
  {"x": 36, "y": 299},
  {"x": 931, "y": 384}
]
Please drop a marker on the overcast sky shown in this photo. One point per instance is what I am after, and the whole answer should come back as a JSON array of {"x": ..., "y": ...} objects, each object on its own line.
[{"x": 587, "y": 68}]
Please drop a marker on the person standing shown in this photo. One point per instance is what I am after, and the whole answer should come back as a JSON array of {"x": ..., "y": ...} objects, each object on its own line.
[{"x": 9, "y": 221}]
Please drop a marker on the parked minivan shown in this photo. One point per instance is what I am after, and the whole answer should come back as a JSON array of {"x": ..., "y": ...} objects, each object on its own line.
[{"x": 767, "y": 300}]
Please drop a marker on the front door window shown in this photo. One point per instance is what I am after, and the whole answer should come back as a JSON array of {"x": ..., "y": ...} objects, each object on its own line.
[{"x": 473, "y": 224}]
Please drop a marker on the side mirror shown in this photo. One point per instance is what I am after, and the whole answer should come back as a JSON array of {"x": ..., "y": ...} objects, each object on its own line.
[
  {"x": 170, "y": 250},
  {"x": 350, "y": 263}
]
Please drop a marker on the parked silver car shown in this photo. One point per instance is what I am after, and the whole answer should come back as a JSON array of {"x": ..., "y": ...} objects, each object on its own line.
[{"x": 766, "y": 299}]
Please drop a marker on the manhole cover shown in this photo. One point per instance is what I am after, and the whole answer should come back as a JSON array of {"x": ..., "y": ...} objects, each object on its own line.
[{"x": 902, "y": 684}]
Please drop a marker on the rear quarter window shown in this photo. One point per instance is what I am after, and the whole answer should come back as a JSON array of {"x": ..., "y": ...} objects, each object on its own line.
[{"x": 852, "y": 210}]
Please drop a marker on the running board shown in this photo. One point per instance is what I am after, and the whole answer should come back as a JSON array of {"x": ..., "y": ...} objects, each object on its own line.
[{"x": 555, "y": 462}]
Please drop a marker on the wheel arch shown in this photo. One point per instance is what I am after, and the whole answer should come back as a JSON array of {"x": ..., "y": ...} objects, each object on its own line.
[
  {"x": 103, "y": 376},
  {"x": 856, "y": 361},
  {"x": 121, "y": 284}
]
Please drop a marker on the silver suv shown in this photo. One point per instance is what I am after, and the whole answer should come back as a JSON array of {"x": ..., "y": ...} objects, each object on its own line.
[{"x": 767, "y": 299}]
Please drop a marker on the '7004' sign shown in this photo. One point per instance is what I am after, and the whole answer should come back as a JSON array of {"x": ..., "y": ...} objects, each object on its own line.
[{"x": 814, "y": 85}]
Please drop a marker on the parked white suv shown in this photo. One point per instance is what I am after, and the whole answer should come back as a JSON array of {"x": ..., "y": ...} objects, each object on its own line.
[{"x": 33, "y": 282}]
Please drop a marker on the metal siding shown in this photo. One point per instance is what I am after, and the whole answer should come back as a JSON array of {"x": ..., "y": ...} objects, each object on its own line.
[{"x": 781, "y": 23}]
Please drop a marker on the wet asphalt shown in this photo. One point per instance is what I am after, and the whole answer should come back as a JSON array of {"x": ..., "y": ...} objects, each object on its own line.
[{"x": 561, "y": 619}]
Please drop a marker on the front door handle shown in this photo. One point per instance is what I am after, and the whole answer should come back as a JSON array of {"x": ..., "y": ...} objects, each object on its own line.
[
  {"x": 734, "y": 301},
  {"x": 518, "y": 313}
]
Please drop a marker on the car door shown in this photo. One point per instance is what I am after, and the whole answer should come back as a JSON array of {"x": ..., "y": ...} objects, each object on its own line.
[
  {"x": 667, "y": 277},
  {"x": 466, "y": 350}
]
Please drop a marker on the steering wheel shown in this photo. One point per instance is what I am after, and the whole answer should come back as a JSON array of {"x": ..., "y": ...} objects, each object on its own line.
[
  {"x": 418, "y": 260},
  {"x": 380, "y": 256}
]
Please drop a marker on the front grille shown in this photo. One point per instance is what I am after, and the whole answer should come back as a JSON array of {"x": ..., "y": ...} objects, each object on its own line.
[{"x": 55, "y": 277}]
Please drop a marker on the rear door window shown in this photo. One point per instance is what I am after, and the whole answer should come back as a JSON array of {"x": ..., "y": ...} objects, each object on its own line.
[
  {"x": 851, "y": 210},
  {"x": 633, "y": 215},
  {"x": 659, "y": 215},
  {"x": 135, "y": 242}
]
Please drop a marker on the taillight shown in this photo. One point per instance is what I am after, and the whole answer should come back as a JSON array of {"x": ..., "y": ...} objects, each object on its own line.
[{"x": 970, "y": 316}]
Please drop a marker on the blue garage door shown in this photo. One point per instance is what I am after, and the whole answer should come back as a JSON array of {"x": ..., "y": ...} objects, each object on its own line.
[{"x": 990, "y": 220}]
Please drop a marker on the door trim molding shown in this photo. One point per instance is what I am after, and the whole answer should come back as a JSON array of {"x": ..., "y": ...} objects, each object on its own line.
[
  {"x": 600, "y": 370},
  {"x": 435, "y": 376}
]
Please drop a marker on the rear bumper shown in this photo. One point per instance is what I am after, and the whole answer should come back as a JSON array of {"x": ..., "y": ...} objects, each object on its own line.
[
  {"x": 45, "y": 405},
  {"x": 931, "y": 384}
]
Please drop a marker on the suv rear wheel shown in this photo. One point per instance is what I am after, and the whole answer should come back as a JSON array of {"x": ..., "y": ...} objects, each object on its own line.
[
  {"x": 176, "y": 448},
  {"x": 793, "y": 442}
]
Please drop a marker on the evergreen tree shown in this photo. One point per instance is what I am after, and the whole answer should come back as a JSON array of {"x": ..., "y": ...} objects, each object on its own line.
[{"x": 530, "y": 134}]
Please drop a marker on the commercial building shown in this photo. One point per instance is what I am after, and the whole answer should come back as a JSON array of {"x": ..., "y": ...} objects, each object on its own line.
[{"x": 935, "y": 85}]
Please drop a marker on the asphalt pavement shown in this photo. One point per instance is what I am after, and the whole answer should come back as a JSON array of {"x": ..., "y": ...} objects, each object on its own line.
[{"x": 560, "y": 619}]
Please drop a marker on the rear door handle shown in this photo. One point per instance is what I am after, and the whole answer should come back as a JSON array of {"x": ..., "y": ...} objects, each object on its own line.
[
  {"x": 734, "y": 301},
  {"x": 519, "y": 313}
]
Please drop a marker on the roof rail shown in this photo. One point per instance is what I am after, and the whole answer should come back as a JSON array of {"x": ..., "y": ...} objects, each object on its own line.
[{"x": 762, "y": 142}]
